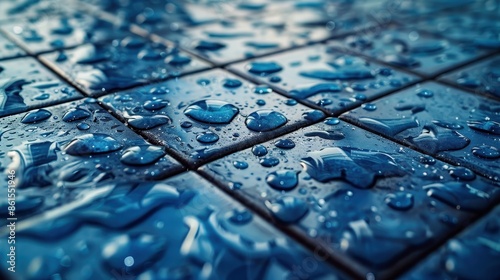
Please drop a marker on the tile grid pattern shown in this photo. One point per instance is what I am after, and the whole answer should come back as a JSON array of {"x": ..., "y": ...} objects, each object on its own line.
[{"x": 390, "y": 93}]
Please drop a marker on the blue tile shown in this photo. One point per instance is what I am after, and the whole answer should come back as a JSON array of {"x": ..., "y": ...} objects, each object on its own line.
[
  {"x": 23, "y": 9},
  {"x": 62, "y": 31},
  {"x": 482, "y": 77},
  {"x": 375, "y": 204},
  {"x": 109, "y": 66},
  {"x": 25, "y": 84},
  {"x": 208, "y": 114},
  {"x": 9, "y": 49},
  {"x": 325, "y": 77},
  {"x": 410, "y": 50},
  {"x": 59, "y": 152},
  {"x": 474, "y": 254},
  {"x": 446, "y": 122},
  {"x": 180, "y": 228}
]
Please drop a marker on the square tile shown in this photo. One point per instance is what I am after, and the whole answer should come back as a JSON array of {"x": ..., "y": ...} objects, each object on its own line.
[
  {"x": 104, "y": 67},
  {"x": 482, "y": 77},
  {"x": 62, "y": 31},
  {"x": 59, "y": 152},
  {"x": 324, "y": 77},
  {"x": 161, "y": 230},
  {"x": 376, "y": 205},
  {"x": 9, "y": 49},
  {"x": 410, "y": 50},
  {"x": 25, "y": 84},
  {"x": 442, "y": 121},
  {"x": 203, "y": 116},
  {"x": 476, "y": 247}
]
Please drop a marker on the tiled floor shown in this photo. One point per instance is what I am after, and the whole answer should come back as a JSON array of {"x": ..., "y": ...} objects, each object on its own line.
[{"x": 250, "y": 139}]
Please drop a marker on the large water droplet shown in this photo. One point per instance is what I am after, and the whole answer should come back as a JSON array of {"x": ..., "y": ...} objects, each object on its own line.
[
  {"x": 212, "y": 111},
  {"x": 389, "y": 126},
  {"x": 486, "y": 152},
  {"x": 286, "y": 144},
  {"x": 264, "y": 68},
  {"x": 142, "y": 155},
  {"x": 459, "y": 195},
  {"x": 288, "y": 209},
  {"x": 75, "y": 114},
  {"x": 36, "y": 116},
  {"x": 89, "y": 144},
  {"x": 345, "y": 74},
  {"x": 283, "y": 180},
  {"x": 269, "y": 161},
  {"x": 147, "y": 122},
  {"x": 485, "y": 126},
  {"x": 207, "y": 137},
  {"x": 265, "y": 120},
  {"x": 310, "y": 90},
  {"x": 433, "y": 139},
  {"x": 327, "y": 134},
  {"x": 358, "y": 167}
]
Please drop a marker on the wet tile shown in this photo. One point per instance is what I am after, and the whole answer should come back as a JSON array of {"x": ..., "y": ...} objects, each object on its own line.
[
  {"x": 378, "y": 206},
  {"x": 9, "y": 49},
  {"x": 109, "y": 66},
  {"x": 324, "y": 77},
  {"x": 477, "y": 28},
  {"x": 410, "y": 50},
  {"x": 474, "y": 254},
  {"x": 180, "y": 228},
  {"x": 208, "y": 114},
  {"x": 59, "y": 152},
  {"x": 25, "y": 84},
  {"x": 482, "y": 77},
  {"x": 442, "y": 121},
  {"x": 62, "y": 31}
]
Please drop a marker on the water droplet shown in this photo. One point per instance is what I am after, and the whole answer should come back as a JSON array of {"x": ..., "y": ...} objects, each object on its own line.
[
  {"x": 36, "y": 116},
  {"x": 327, "y": 134},
  {"x": 459, "y": 195},
  {"x": 282, "y": 180},
  {"x": 462, "y": 173},
  {"x": 209, "y": 46},
  {"x": 288, "y": 209},
  {"x": 345, "y": 74},
  {"x": 212, "y": 111},
  {"x": 434, "y": 139},
  {"x": 399, "y": 201},
  {"x": 369, "y": 107},
  {"x": 358, "y": 167},
  {"x": 260, "y": 102},
  {"x": 232, "y": 83},
  {"x": 155, "y": 104},
  {"x": 331, "y": 121},
  {"x": 186, "y": 124},
  {"x": 75, "y": 114},
  {"x": 313, "y": 115},
  {"x": 240, "y": 164},
  {"x": 265, "y": 120},
  {"x": 207, "y": 138},
  {"x": 147, "y": 122},
  {"x": 401, "y": 60},
  {"x": 485, "y": 126},
  {"x": 262, "y": 89},
  {"x": 389, "y": 126},
  {"x": 142, "y": 155},
  {"x": 486, "y": 152},
  {"x": 285, "y": 144},
  {"x": 83, "y": 126},
  {"x": 259, "y": 150},
  {"x": 269, "y": 161},
  {"x": 291, "y": 102},
  {"x": 264, "y": 68},
  {"x": 424, "y": 93},
  {"x": 89, "y": 144},
  {"x": 310, "y": 90}
]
